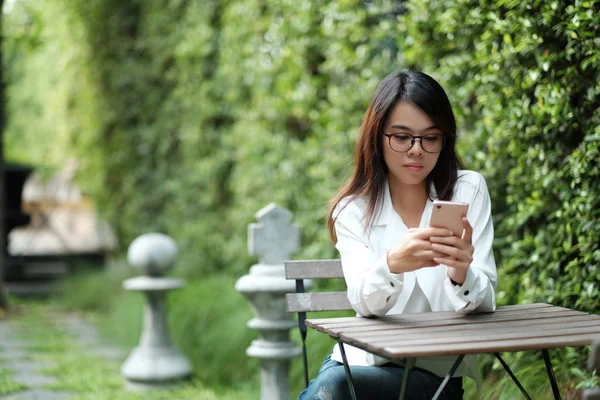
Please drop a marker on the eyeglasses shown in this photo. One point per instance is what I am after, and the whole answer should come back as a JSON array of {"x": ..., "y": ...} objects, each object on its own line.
[{"x": 403, "y": 142}]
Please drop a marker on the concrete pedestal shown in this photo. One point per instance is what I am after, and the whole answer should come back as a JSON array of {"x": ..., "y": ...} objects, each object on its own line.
[
  {"x": 155, "y": 362},
  {"x": 265, "y": 287}
]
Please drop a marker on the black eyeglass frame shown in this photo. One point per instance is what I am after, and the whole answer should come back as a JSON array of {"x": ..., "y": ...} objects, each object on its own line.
[{"x": 413, "y": 140}]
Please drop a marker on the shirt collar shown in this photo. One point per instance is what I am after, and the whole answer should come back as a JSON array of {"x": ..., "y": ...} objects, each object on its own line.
[{"x": 384, "y": 208}]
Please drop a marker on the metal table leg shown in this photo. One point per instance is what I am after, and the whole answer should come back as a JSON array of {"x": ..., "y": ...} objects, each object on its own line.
[
  {"x": 347, "y": 369},
  {"x": 551, "y": 374},
  {"x": 514, "y": 378},
  {"x": 408, "y": 365},
  {"x": 448, "y": 376}
]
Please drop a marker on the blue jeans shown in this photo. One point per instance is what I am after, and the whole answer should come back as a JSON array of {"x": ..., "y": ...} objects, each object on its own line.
[{"x": 380, "y": 383}]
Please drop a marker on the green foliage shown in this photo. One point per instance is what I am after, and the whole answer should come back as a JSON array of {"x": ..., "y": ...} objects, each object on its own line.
[
  {"x": 190, "y": 131},
  {"x": 525, "y": 77},
  {"x": 86, "y": 292},
  {"x": 8, "y": 385}
]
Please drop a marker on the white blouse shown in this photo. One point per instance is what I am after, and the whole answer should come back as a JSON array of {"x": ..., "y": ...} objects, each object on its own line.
[{"x": 374, "y": 291}]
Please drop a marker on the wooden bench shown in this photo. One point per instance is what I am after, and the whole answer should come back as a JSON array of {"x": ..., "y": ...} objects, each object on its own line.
[{"x": 302, "y": 302}]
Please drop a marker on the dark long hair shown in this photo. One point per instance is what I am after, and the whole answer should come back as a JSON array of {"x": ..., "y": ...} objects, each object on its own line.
[{"x": 370, "y": 170}]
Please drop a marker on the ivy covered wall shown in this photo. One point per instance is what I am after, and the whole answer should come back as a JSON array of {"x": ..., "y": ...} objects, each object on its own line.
[
  {"x": 525, "y": 76},
  {"x": 190, "y": 116}
]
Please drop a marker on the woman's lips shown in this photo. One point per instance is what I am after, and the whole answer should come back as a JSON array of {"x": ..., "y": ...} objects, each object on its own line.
[{"x": 414, "y": 167}]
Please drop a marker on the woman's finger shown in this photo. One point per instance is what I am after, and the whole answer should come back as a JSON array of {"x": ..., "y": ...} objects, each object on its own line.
[
  {"x": 420, "y": 244},
  {"x": 447, "y": 250},
  {"x": 450, "y": 240},
  {"x": 468, "y": 231},
  {"x": 453, "y": 253},
  {"x": 426, "y": 233},
  {"x": 449, "y": 262},
  {"x": 454, "y": 242},
  {"x": 430, "y": 254}
]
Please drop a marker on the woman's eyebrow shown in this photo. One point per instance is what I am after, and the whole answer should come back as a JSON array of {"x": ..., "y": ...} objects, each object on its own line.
[{"x": 431, "y": 128}]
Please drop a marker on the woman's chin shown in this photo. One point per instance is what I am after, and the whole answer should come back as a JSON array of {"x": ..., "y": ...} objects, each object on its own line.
[{"x": 410, "y": 179}]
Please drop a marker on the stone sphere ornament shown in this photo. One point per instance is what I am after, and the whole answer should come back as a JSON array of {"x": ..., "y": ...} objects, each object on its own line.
[
  {"x": 152, "y": 254},
  {"x": 155, "y": 362}
]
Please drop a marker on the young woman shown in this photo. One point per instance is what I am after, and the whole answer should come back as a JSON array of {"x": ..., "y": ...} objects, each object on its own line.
[{"x": 393, "y": 262}]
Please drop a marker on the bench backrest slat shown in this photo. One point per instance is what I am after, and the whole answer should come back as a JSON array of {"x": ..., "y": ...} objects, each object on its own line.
[
  {"x": 315, "y": 301},
  {"x": 313, "y": 269},
  {"x": 318, "y": 301}
]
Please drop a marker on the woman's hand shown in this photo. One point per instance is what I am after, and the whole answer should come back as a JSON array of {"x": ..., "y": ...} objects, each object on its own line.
[
  {"x": 415, "y": 250},
  {"x": 457, "y": 252}
]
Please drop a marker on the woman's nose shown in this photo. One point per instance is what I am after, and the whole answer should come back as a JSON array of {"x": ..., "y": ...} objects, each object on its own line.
[{"x": 416, "y": 148}]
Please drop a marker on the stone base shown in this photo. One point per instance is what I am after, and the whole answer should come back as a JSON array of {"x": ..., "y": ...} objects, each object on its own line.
[
  {"x": 273, "y": 351},
  {"x": 163, "y": 365},
  {"x": 137, "y": 386}
]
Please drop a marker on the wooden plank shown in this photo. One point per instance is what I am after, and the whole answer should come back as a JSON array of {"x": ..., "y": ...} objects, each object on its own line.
[
  {"x": 541, "y": 307},
  {"x": 347, "y": 322},
  {"x": 479, "y": 327},
  {"x": 313, "y": 269},
  {"x": 317, "y": 301},
  {"x": 500, "y": 309},
  {"x": 351, "y": 325},
  {"x": 422, "y": 340},
  {"x": 486, "y": 347},
  {"x": 508, "y": 332},
  {"x": 458, "y": 322}
]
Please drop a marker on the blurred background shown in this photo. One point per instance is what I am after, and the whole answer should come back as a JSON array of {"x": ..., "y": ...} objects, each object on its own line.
[{"x": 188, "y": 116}]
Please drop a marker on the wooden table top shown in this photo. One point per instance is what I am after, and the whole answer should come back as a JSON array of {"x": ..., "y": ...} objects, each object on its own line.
[{"x": 510, "y": 328}]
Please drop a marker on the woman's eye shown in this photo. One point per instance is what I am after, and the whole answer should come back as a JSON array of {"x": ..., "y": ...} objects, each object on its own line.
[
  {"x": 433, "y": 138},
  {"x": 402, "y": 138}
]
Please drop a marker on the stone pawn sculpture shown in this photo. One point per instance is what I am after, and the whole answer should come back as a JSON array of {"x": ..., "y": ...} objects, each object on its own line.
[{"x": 155, "y": 362}]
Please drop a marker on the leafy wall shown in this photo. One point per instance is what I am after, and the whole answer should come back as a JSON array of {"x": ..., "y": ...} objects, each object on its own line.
[
  {"x": 188, "y": 120},
  {"x": 526, "y": 79}
]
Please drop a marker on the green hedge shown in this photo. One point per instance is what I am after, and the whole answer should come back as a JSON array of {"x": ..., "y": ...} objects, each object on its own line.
[
  {"x": 526, "y": 79},
  {"x": 190, "y": 116},
  {"x": 189, "y": 121}
]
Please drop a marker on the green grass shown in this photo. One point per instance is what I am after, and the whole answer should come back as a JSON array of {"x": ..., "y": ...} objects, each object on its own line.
[
  {"x": 7, "y": 385},
  {"x": 90, "y": 376}
]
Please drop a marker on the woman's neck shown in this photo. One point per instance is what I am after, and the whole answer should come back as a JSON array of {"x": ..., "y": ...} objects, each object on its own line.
[{"x": 408, "y": 201}]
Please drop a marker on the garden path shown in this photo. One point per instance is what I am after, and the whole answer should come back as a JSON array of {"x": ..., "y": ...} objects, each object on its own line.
[{"x": 16, "y": 356}]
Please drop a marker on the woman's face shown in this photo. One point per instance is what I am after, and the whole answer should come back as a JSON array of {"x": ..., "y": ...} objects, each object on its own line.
[{"x": 410, "y": 167}]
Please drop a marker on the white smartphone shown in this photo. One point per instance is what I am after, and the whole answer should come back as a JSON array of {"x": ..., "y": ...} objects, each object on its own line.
[{"x": 449, "y": 214}]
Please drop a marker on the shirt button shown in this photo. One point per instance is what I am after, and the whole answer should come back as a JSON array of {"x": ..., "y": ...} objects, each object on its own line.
[
  {"x": 392, "y": 283},
  {"x": 466, "y": 292}
]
